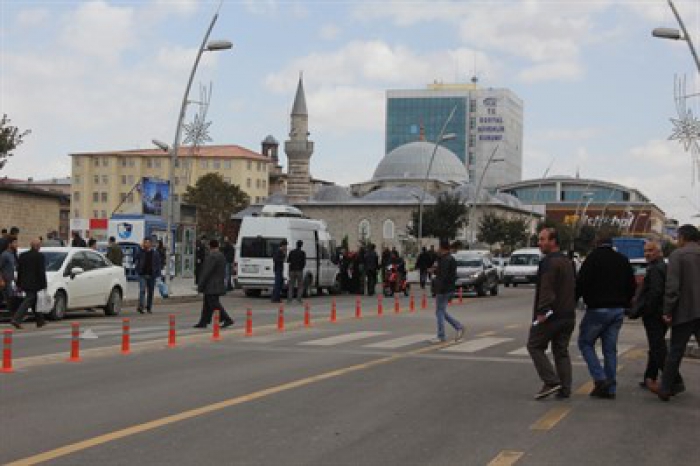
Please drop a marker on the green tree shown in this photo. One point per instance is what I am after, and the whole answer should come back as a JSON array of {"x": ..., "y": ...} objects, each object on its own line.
[
  {"x": 10, "y": 138},
  {"x": 515, "y": 233},
  {"x": 441, "y": 220},
  {"x": 216, "y": 201},
  {"x": 491, "y": 229}
]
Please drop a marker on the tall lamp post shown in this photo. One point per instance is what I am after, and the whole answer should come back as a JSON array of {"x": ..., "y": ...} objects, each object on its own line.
[
  {"x": 206, "y": 46},
  {"x": 441, "y": 138},
  {"x": 478, "y": 190},
  {"x": 675, "y": 34}
]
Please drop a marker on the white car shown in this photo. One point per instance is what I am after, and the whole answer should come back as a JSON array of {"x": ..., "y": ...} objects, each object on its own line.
[{"x": 80, "y": 278}]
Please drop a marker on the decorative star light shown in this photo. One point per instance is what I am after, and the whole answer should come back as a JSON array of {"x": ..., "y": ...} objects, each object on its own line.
[
  {"x": 197, "y": 132},
  {"x": 686, "y": 128}
]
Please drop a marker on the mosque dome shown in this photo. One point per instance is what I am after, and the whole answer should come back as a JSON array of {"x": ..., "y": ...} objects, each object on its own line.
[
  {"x": 509, "y": 200},
  {"x": 333, "y": 193},
  {"x": 270, "y": 139},
  {"x": 467, "y": 194},
  {"x": 398, "y": 194},
  {"x": 411, "y": 161}
]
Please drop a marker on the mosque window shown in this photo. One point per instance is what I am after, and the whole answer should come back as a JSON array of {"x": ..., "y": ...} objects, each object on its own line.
[
  {"x": 388, "y": 229},
  {"x": 364, "y": 231}
]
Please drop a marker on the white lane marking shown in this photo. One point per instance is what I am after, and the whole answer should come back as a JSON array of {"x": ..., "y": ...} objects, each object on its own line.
[
  {"x": 401, "y": 341},
  {"x": 275, "y": 337},
  {"x": 163, "y": 334},
  {"x": 473, "y": 346},
  {"x": 343, "y": 338},
  {"x": 107, "y": 333}
]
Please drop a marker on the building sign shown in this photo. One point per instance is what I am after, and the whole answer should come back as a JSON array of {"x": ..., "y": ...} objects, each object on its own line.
[
  {"x": 154, "y": 195},
  {"x": 127, "y": 231},
  {"x": 491, "y": 127}
]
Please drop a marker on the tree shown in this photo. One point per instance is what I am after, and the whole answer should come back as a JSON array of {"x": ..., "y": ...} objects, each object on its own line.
[
  {"x": 491, "y": 229},
  {"x": 514, "y": 233},
  {"x": 441, "y": 220},
  {"x": 10, "y": 138},
  {"x": 216, "y": 201}
]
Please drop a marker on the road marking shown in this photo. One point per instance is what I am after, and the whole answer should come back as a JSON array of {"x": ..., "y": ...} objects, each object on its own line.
[
  {"x": 203, "y": 410},
  {"x": 473, "y": 346},
  {"x": 551, "y": 418},
  {"x": 513, "y": 326},
  {"x": 585, "y": 389},
  {"x": 402, "y": 341},
  {"x": 107, "y": 333},
  {"x": 506, "y": 458},
  {"x": 343, "y": 338},
  {"x": 487, "y": 334}
]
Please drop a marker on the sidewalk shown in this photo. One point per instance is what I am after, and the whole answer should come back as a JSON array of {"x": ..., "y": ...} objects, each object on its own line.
[{"x": 181, "y": 289}]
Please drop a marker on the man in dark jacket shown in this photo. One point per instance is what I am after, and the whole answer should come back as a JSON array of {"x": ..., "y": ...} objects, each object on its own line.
[
  {"x": 78, "y": 241},
  {"x": 681, "y": 306},
  {"x": 230, "y": 254},
  {"x": 422, "y": 263},
  {"x": 554, "y": 317},
  {"x": 297, "y": 262},
  {"x": 148, "y": 266},
  {"x": 114, "y": 252},
  {"x": 445, "y": 277},
  {"x": 5, "y": 240},
  {"x": 649, "y": 305},
  {"x": 211, "y": 284},
  {"x": 278, "y": 259},
  {"x": 606, "y": 283},
  {"x": 31, "y": 278},
  {"x": 371, "y": 266},
  {"x": 8, "y": 268}
]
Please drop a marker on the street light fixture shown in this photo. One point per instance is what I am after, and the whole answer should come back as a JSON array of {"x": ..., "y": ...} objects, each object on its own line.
[
  {"x": 442, "y": 137},
  {"x": 206, "y": 46},
  {"x": 675, "y": 34}
]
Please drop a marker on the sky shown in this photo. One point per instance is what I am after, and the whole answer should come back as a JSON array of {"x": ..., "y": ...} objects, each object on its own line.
[{"x": 598, "y": 89}]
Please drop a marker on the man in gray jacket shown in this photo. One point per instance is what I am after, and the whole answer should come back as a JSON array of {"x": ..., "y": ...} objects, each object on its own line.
[
  {"x": 211, "y": 284},
  {"x": 681, "y": 306},
  {"x": 8, "y": 267}
]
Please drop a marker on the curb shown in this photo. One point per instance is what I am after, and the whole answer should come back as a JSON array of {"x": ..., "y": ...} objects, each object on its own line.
[{"x": 170, "y": 300}]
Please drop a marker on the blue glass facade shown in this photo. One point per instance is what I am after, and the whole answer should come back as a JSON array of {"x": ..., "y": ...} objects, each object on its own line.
[
  {"x": 548, "y": 193},
  {"x": 404, "y": 116}
]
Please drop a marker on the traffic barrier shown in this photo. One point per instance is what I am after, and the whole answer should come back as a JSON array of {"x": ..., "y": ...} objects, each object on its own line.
[
  {"x": 280, "y": 319},
  {"x": 216, "y": 328},
  {"x": 126, "y": 338},
  {"x": 333, "y": 311},
  {"x": 7, "y": 352},
  {"x": 307, "y": 314},
  {"x": 380, "y": 305},
  {"x": 249, "y": 323},
  {"x": 397, "y": 304},
  {"x": 424, "y": 302},
  {"x": 172, "y": 343},
  {"x": 358, "y": 308},
  {"x": 412, "y": 303},
  {"x": 75, "y": 343},
  {"x": 459, "y": 294}
]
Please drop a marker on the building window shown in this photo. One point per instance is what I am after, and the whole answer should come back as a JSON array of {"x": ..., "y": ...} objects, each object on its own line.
[
  {"x": 76, "y": 213},
  {"x": 176, "y": 197},
  {"x": 388, "y": 229},
  {"x": 364, "y": 230},
  {"x": 264, "y": 167},
  {"x": 77, "y": 162},
  {"x": 204, "y": 164},
  {"x": 104, "y": 197},
  {"x": 95, "y": 197},
  {"x": 264, "y": 184},
  {"x": 149, "y": 163},
  {"x": 472, "y": 140},
  {"x": 122, "y": 197},
  {"x": 250, "y": 165},
  {"x": 76, "y": 196},
  {"x": 132, "y": 162},
  {"x": 104, "y": 214},
  {"x": 76, "y": 179},
  {"x": 217, "y": 165},
  {"x": 248, "y": 183},
  {"x": 257, "y": 184},
  {"x": 472, "y": 123},
  {"x": 124, "y": 179},
  {"x": 95, "y": 214},
  {"x": 105, "y": 179},
  {"x": 131, "y": 180},
  {"x": 227, "y": 179},
  {"x": 96, "y": 179},
  {"x": 124, "y": 162},
  {"x": 259, "y": 166},
  {"x": 96, "y": 161},
  {"x": 105, "y": 162},
  {"x": 227, "y": 165},
  {"x": 157, "y": 163}
]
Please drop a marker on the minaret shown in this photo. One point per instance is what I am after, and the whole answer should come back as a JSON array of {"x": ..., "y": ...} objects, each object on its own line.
[{"x": 299, "y": 149}]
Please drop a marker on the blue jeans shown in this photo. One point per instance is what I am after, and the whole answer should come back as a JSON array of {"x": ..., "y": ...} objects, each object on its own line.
[
  {"x": 277, "y": 290},
  {"x": 147, "y": 284},
  {"x": 604, "y": 323},
  {"x": 441, "y": 301}
]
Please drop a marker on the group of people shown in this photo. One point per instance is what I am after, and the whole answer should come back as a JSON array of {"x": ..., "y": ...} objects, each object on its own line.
[
  {"x": 668, "y": 298},
  {"x": 360, "y": 270}
]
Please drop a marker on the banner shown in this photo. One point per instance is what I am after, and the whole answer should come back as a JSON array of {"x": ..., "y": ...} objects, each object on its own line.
[
  {"x": 127, "y": 231},
  {"x": 154, "y": 196}
]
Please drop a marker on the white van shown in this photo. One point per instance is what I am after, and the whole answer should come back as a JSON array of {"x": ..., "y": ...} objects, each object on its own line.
[
  {"x": 260, "y": 237},
  {"x": 522, "y": 266}
]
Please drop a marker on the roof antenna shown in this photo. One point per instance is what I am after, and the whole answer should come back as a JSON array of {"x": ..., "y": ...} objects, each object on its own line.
[{"x": 475, "y": 78}]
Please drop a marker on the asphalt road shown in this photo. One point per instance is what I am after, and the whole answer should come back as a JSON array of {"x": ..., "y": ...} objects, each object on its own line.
[{"x": 360, "y": 391}]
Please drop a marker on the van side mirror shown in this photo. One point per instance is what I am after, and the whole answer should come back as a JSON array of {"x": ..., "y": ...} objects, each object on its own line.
[{"x": 76, "y": 271}]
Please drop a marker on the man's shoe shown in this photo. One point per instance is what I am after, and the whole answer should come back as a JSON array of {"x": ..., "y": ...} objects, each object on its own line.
[
  {"x": 460, "y": 334},
  {"x": 602, "y": 390},
  {"x": 228, "y": 323},
  {"x": 677, "y": 389},
  {"x": 139, "y": 310},
  {"x": 40, "y": 323},
  {"x": 563, "y": 394},
  {"x": 200, "y": 326},
  {"x": 16, "y": 325},
  {"x": 643, "y": 384},
  {"x": 436, "y": 341},
  {"x": 149, "y": 311},
  {"x": 547, "y": 390}
]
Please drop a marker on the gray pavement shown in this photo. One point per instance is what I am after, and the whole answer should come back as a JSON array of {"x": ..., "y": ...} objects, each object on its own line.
[{"x": 368, "y": 391}]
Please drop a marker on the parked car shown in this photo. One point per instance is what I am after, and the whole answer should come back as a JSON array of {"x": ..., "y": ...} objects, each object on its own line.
[
  {"x": 522, "y": 267},
  {"x": 501, "y": 263},
  {"x": 80, "y": 278},
  {"x": 476, "y": 272}
]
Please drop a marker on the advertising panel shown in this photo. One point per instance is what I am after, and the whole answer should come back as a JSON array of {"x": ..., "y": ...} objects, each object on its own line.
[
  {"x": 154, "y": 195},
  {"x": 127, "y": 231}
]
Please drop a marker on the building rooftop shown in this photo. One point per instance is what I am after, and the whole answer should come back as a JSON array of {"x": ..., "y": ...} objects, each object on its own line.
[{"x": 230, "y": 151}]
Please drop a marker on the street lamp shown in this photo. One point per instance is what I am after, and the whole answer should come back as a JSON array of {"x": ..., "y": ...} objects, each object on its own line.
[
  {"x": 491, "y": 160},
  {"x": 675, "y": 34},
  {"x": 211, "y": 46},
  {"x": 441, "y": 138}
]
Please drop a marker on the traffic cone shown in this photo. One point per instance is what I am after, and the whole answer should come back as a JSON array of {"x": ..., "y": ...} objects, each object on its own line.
[
  {"x": 307, "y": 314},
  {"x": 358, "y": 308},
  {"x": 126, "y": 339},
  {"x": 7, "y": 352},
  {"x": 424, "y": 302},
  {"x": 216, "y": 328},
  {"x": 172, "y": 343},
  {"x": 333, "y": 312},
  {"x": 280, "y": 319},
  {"x": 75, "y": 343},
  {"x": 412, "y": 303},
  {"x": 249, "y": 323},
  {"x": 397, "y": 304},
  {"x": 380, "y": 306}
]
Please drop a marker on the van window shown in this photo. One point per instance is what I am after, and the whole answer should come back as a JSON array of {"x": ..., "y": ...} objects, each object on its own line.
[
  {"x": 259, "y": 247},
  {"x": 524, "y": 259}
]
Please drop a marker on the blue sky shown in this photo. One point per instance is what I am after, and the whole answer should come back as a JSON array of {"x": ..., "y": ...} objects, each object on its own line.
[{"x": 597, "y": 88}]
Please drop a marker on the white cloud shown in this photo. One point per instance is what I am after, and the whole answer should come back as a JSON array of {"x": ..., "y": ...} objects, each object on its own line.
[
  {"x": 32, "y": 17},
  {"x": 261, "y": 7},
  {"x": 554, "y": 70},
  {"x": 329, "y": 32},
  {"x": 180, "y": 7},
  {"x": 577, "y": 134}
]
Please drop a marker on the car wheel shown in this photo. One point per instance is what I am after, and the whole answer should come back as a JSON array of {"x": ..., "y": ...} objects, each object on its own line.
[
  {"x": 481, "y": 289},
  {"x": 494, "y": 290},
  {"x": 515, "y": 285},
  {"x": 253, "y": 293},
  {"x": 335, "y": 289},
  {"x": 114, "y": 304},
  {"x": 60, "y": 306}
]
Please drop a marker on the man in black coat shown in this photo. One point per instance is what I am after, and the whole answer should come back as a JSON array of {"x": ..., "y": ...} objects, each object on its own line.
[
  {"x": 211, "y": 284},
  {"x": 278, "y": 258},
  {"x": 148, "y": 266},
  {"x": 423, "y": 261},
  {"x": 31, "y": 278},
  {"x": 371, "y": 266}
]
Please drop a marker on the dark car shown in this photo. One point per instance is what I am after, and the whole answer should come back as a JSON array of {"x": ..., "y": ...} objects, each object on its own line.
[{"x": 476, "y": 272}]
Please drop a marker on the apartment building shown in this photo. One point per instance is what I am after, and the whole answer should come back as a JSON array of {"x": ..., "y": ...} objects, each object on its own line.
[{"x": 104, "y": 183}]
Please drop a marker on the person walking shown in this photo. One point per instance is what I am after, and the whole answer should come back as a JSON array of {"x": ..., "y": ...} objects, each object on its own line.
[
  {"x": 681, "y": 307},
  {"x": 211, "y": 285},
  {"x": 78, "y": 241},
  {"x": 148, "y": 267},
  {"x": 92, "y": 244},
  {"x": 200, "y": 253},
  {"x": 371, "y": 269},
  {"x": 278, "y": 259},
  {"x": 230, "y": 254},
  {"x": 606, "y": 283},
  {"x": 554, "y": 317},
  {"x": 6, "y": 238},
  {"x": 648, "y": 305},
  {"x": 31, "y": 278},
  {"x": 114, "y": 252},
  {"x": 445, "y": 277},
  {"x": 422, "y": 264},
  {"x": 297, "y": 262},
  {"x": 8, "y": 268}
]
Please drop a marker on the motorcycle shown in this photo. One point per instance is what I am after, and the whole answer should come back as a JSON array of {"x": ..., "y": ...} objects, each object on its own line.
[{"x": 395, "y": 282}]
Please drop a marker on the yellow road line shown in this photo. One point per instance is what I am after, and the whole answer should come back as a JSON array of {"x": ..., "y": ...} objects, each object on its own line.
[
  {"x": 506, "y": 458},
  {"x": 585, "y": 389},
  {"x": 157, "y": 423},
  {"x": 636, "y": 353},
  {"x": 487, "y": 334},
  {"x": 551, "y": 418},
  {"x": 509, "y": 327}
]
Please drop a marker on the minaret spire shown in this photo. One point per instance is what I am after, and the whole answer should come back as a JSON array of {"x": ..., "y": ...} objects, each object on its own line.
[
  {"x": 299, "y": 107},
  {"x": 299, "y": 149}
]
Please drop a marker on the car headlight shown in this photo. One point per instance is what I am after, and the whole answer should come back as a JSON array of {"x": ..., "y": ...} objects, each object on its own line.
[{"x": 474, "y": 275}]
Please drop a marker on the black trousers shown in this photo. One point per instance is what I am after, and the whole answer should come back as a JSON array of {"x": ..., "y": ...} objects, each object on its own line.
[
  {"x": 656, "y": 330},
  {"x": 558, "y": 333},
  {"x": 371, "y": 282},
  {"x": 29, "y": 302},
  {"x": 210, "y": 304},
  {"x": 680, "y": 336}
]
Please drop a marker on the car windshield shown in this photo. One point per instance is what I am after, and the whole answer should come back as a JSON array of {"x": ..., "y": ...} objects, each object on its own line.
[
  {"x": 54, "y": 260},
  {"x": 259, "y": 247},
  {"x": 524, "y": 259},
  {"x": 468, "y": 263}
]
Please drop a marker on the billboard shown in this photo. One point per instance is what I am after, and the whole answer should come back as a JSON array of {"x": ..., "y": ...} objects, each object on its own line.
[
  {"x": 154, "y": 196},
  {"x": 127, "y": 231}
]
